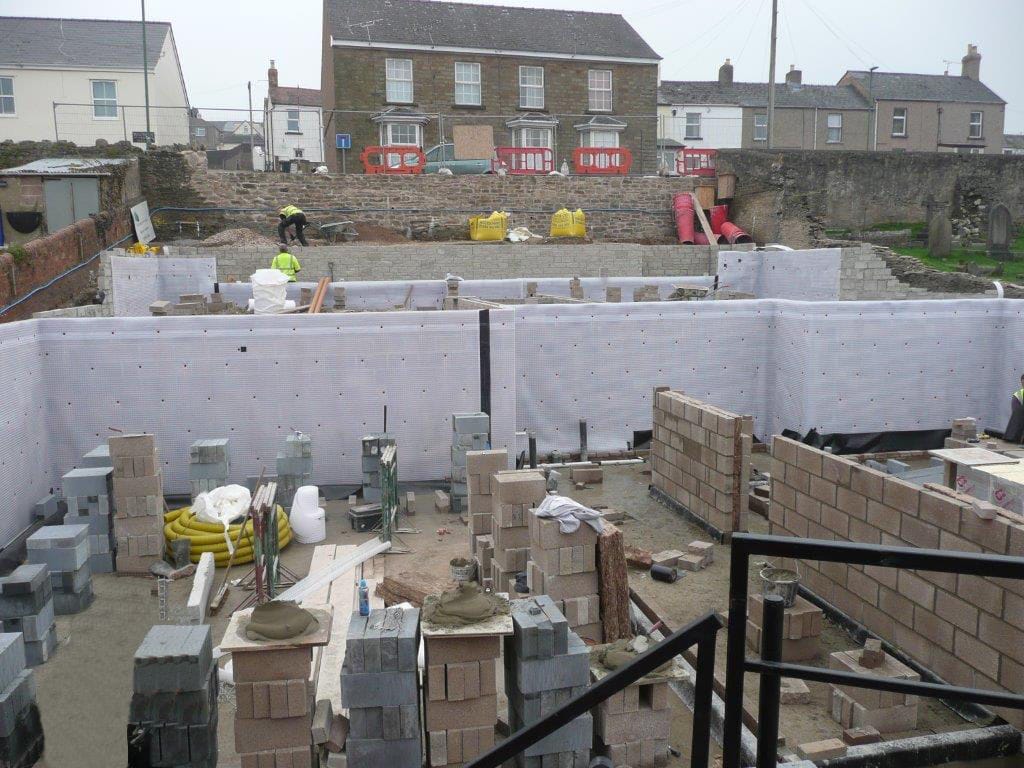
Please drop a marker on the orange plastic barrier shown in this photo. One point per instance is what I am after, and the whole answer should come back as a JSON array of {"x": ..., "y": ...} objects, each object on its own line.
[
  {"x": 393, "y": 159},
  {"x": 602, "y": 160},
  {"x": 696, "y": 162},
  {"x": 524, "y": 161}
]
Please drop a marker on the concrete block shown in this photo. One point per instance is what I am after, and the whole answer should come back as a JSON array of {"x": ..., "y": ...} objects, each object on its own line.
[
  {"x": 522, "y": 487},
  {"x": 571, "y": 669},
  {"x": 174, "y": 658},
  {"x": 98, "y": 457},
  {"x": 32, "y": 627},
  {"x": 63, "y": 559},
  {"x": 39, "y": 651},
  {"x": 827, "y": 749},
  {"x": 378, "y": 753},
  {"x": 380, "y": 689},
  {"x": 471, "y": 423},
  {"x": 14, "y": 699},
  {"x": 366, "y": 723},
  {"x": 267, "y": 734},
  {"x": 27, "y": 579},
  {"x": 545, "y": 534},
  {"x": 262, "y": 666},
  {"x": 65, "y": 604},
  {"x": 12, "y": 658},
  {"x": 45, "y": 508},
  {"x": 198, "y": 604},
  {"x": 469, "y": 713},
  {"x": 87, "y": 481},
  {"x": 57, "y": 537}
]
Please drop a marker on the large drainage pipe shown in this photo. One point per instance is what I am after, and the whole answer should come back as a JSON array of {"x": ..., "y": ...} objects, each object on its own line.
[
  {"x": 734, "y": 234},
  {"x": 719, "y": 215},
  {"x": 682, "y": 210}
]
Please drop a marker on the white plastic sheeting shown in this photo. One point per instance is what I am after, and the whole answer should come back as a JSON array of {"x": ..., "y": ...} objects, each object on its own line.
[
  {"x": 810, "y": 275},
  {"x": 137, "y": 282}
]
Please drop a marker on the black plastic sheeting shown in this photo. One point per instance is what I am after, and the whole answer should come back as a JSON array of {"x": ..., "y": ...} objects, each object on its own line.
[{"x": 873, "y": 442}]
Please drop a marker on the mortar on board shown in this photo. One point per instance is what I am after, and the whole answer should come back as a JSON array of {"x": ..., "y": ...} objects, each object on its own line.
[{"x": 779, "y": 581}]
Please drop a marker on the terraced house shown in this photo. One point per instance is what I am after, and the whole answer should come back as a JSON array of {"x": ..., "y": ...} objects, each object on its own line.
[{"x": 406, "y": 72}]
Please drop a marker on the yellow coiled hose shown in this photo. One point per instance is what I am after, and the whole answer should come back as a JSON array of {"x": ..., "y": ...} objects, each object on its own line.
[{"x": 209, "y": 537}]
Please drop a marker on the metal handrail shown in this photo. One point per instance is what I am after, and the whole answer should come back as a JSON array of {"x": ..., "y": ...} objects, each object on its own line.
[
  {"x": 701, "y": 633},
  {"x": 772, "y": 669}
]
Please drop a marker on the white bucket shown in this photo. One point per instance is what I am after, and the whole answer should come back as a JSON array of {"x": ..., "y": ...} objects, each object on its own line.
[
  {"x": 269, "y": 287},
  {"x": 307, "y": 519}
]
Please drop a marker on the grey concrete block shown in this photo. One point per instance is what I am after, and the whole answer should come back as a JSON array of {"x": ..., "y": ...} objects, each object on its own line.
[
  {"x": 14, "y": 699},
  {"x": 102, "y": 563},
  {"x": 539, "y": 629},
  {"x": 566, "y": 671},
  {"x": 366, "y": 722},
  {"x": 99, "y": 524},
  {"x": 213, "y": 471},
  {"x": 410, "y": 714},
  {"x": 409, "y": 640},
  {"x": 57, "y": 537},
  {"x": 182, "y": 707},
  {"x": 354, "y": 643},
  {"x": 71, "y": 582},
  {"x": 377, "y": 689},
  {"x": 577, "y": 735},
  {"x": 16, "y": 606},
  {"x": 87, "y": 481},
  {"x": 74, "y": 602},
  {"x": 12, "y": 658},
  {"x": 173, "y": 658},
  {"x": 45, "y": 508},
  {"x": 61, "y": 559},
  {"x": 378, "y": 753},
  {"x": 468, "y": 423},
  {"x": 32, "y": 627},
  {"x": 391, "y": 718},
  {"x": 98, "y": 457},
  {"x": 39, "y": 651},
  {"x": 26, "y": 579}
]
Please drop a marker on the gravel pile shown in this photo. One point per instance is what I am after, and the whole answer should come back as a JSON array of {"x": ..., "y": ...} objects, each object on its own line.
[{"x": 242, "y": 236}]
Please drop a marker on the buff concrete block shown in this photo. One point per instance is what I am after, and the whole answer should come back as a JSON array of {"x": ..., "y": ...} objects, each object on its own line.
[
  {"x": 522, "y": 487},
  {"x": 827, "y": 749}
]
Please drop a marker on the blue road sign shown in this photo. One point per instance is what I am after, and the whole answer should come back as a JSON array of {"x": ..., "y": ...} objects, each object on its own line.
[{"x": 343, "y": 140}]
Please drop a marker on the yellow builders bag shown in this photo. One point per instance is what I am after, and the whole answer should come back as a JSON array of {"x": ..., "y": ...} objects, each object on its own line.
[
  {"x": 493, "y": 227},
  {"x": 566, "y": 223}
]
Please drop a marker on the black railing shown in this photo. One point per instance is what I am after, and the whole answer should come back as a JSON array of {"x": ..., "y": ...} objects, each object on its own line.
[
  {"x": 770, "y": 667},
  {"x": 701, "y": 633}
]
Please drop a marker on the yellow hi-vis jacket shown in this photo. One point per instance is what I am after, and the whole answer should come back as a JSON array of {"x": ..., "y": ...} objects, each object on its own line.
[
  {"x": 289, "y": 210},
  {"x": 1019, "y": 394},
  {"x": 286, "y": 263}
]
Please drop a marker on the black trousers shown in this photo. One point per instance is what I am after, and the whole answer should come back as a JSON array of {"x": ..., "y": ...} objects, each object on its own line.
[
  {"x": 1015, "y": 426},
  {"x": 299, "y": 220}
]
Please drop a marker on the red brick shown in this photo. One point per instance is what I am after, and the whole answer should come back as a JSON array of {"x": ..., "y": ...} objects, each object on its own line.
[
  {"x": 956, "y": 543},
  {"x": 895, "y": 605},
  {"x": 946, "y": 581},
  {"x": 913, "y": 643},
  {"x": 952, "y": 668},
  {"x": 862, "y": 585},
  {"x": 878, "y": 621},
  {"x": 884, "y": 576},
  {"x": 257, "y": 666}
]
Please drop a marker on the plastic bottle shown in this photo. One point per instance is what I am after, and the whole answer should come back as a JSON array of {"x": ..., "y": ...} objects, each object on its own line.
[{"x": 364, "y": 598}]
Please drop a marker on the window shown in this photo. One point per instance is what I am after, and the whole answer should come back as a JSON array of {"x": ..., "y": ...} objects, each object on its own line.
[
  {"x": 467, "y": 84},
  {"x": 535, "y": 137},
  {"x": 293, "y": 121},
  {"x": 104, "y": 99},
  {"x": 975, "y": 150},
  {"x": 531, "y": 87},
  {"x": 200, "y": 132},
  {"x": 692, "y": 125},
  {"x": 975, "y": 125},
  {"x": 834, "y": 134},
  {"x": 899, "y": 121},
  {"x": 601, "y": 139},
  {"x": 760, "y": 127},
  {"x": 399, "y": 80},
  {"x": 599, "y": 90},
  {"x": 402, "y": 134},
  {"x": 6, "y": 95}
]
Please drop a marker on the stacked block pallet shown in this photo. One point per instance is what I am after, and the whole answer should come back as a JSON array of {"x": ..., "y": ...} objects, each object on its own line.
[
  {"x": 294, "y": 467},
  {"x": 515, "y": 494},
  {"x": 26, "y": 606},
  {"x": 886, "y": 712},
  {"x": 208, "y": 465},
  {"x": 21, "y": 730},
  {"x": 380, "y": 688},
  {"x": 138, "y": 502},
  {"x": 633, "y": 726},
  {"x": 373, "y": 445},
  {"x": 88, "y": 491},
  {"x": 173, "y": 712},
  {"x": 801, "y": 628},
  {"x": 470, "y": 432},
  {"x": 64, "y": 550},
  {"x": 481, "y": 467},
  {"x": 700, "y": 458},
  {"x": 547, "y": 664},
  {"x": 563, "y": 566}
]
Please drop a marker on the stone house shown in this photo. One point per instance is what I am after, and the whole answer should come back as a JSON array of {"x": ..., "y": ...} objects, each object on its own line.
[
  {"x": 203, "y": 134},
  {"x": 405, "y": 72},
  {"x": 933, "y": 113},
  {"x": 294, "y": 124}
]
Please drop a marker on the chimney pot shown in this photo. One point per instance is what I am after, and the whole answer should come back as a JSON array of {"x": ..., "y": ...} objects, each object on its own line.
[
  {"x": 794, "y": 76},
  {"x": 971, "y": 63}
]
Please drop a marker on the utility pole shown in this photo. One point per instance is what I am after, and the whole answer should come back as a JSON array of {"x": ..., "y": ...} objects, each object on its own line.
[
  {"x": 251, "y": 161},
  {"x": 771, "y": 75},
  {"x": 145, "y": 70}
]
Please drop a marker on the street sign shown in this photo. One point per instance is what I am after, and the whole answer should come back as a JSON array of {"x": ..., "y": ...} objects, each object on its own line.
[
  {"x": 143, "y": 137},
  {"x": 343, "y": 140}
]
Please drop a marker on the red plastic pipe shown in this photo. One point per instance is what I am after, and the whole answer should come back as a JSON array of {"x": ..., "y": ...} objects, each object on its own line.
[
  {"x": 699, "y": 238},
  {"x": 719, "y": 214},
  {"x": 734, "y": 234},
  {"x": 682, "y": 209}
]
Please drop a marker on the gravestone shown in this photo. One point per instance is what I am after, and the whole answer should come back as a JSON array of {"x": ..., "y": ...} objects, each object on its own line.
[
  {"x": 940, "y": 236},
  {"x": 999, "y": 233}
]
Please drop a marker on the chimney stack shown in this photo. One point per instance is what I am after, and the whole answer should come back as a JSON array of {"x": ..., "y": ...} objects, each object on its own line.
[
  {"x": 272, "y": 75},
  {"x": 971, "y": 63},
  {"x": 794, "y": 76},
  {"x": 725, "y": 73}
]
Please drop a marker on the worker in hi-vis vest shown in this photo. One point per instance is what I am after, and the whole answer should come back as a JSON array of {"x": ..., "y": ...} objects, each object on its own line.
[
  {"x": 290, "y": 216},
  {"x": 286, "y": 263},
  {"x": 1015, "y": 427}
]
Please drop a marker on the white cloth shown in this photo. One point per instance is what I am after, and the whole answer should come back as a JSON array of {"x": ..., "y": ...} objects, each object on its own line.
[{"x": 569, "y": 514}]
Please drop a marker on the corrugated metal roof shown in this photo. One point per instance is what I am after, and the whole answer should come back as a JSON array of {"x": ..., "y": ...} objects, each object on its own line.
[
  {"x": 83, "y": 43},
  {"x": 756, "y": 94},
  {"x": 910, "y": 87},
  {"x": 64, "y": 166},
  {"x": 486, "y": 27}
]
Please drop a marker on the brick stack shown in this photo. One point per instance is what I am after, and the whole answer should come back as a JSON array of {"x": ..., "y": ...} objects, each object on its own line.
[
  {"x": 861, "y": 707},
  {"x": 26, "y": 606},
  {"x": 564, "y": 567},
  {"x": 379, "y": 686},
  {"x": 470, "y": 432},
  {"x": 138, "y": 503},
  {"x": 515, "y": 494},
  {"x": 700, "y": 458},
  {"x": 481, "y": 467},
  {"x": 632, "y": 727},
  {"x": 208, "y": 465},
  {"x": 21, "y": 730},
  {"x": 373, "y": 445},
  {"x": 64, "y": 549},
  {"x": 801, "y": 628},
  {"x": 294, "y": 467},
  {"x": 964, "y": 429},
  {"x": 88, "y": 492},
  {"x": 174, "y": 701},
  {"x": 546, "y": 665},
  {"x": 460, "y": 697}
]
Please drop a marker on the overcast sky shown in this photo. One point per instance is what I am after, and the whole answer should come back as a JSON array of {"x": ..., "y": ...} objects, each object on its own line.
[{"x": 225, "y": 44}]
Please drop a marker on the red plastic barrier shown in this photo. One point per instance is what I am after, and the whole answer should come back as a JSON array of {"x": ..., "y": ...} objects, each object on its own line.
[
  {"x": 719, "y": 214},
  {"x": 525, "y": 161},
  {"x": 696, "y": 162},
  {"x": 602, "y": 160},
  {"x": 393, "y": 159},
  {"x": 734, "y": 234},
  {"x": 682, "y": 210}
]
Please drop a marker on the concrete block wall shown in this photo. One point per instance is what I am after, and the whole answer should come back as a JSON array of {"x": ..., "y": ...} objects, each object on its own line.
[
  {"x": 700, "y": 458},
  {"x": 966, "y": 629},
  {"x": 865, "y": 276}
]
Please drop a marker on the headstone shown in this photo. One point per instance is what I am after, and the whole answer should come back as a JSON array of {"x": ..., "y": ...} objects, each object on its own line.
[
  {"x": 940, "y": 236},
  {"x": 999, "y": 232}
]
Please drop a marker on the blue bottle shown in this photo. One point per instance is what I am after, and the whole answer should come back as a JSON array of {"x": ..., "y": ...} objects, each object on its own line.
[{"x": 364, "y": 598}]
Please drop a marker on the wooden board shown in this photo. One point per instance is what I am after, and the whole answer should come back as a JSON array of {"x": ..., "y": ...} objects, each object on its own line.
[
  {"x": 328, "y": 683},
  {"x": 323, "y": 554},
  {"x": 972, "y": 457},
  {"x": 235, "y": 640},
  {"x": 473, "y": 142},
  {"x": 494, "y": 625},
  {"x": 704, "y": 225}
]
